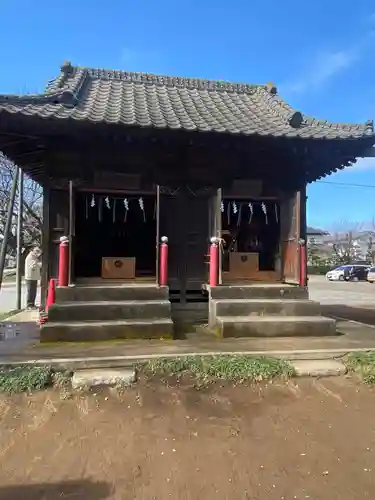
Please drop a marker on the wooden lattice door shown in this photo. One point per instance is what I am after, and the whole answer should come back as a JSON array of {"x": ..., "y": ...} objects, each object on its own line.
[
  {"x": 184, "y": 220},
  {"x": 290, "y": 212}
]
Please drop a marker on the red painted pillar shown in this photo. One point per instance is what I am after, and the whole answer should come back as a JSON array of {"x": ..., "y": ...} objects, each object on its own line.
[
  {"x": 64, "y": 261},
  {"x": 303, "y": 263},
  {"x": 163, "y": 274},
  {"x": 50, "y": 294},
  {"x": 214, "y": 261}
]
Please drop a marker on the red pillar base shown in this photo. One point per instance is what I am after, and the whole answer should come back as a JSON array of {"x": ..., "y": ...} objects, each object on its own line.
[
  {"x": 51, "y": 294},
  {"x": 43, "y": 318}
]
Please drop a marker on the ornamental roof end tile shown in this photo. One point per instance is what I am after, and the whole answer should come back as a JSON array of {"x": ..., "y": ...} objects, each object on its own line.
[{"x": 170, "y": 102}]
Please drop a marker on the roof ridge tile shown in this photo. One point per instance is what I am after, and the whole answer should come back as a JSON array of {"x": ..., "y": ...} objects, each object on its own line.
[{"x": 173, "y": 81}]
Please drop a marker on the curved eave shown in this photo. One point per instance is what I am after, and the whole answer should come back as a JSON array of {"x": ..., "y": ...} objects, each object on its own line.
[
  {"x": 325, "y": 171},
  {"x": 65, "y": 110}
]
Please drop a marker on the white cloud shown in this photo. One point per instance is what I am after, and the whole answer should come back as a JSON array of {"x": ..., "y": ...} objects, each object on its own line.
[
  {"x": 325, "y": 67},
  {"x": 327, "y": 64}
]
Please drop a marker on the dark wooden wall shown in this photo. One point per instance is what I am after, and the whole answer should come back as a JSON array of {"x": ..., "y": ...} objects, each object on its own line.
[{"x": 58, "y": 226}]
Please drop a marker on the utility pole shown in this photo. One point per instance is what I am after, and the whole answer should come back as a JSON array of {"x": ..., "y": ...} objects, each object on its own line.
[
  {"x": 19, "y": 240},
  {"x": 8, "y": 225}
]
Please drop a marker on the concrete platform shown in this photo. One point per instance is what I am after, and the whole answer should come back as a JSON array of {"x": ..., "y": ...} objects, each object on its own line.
[
  {"x": 258, "y": 291},
  {"x": 107, "y": 310},
  {"x": 274, "y": 326},
  {"x": 93, "y": 331},
  {"x": 111, "y": 292},
  {"x": 25, "y": 346},
  {"x": 264, "y": 307},
  {"x": 319, "y": 368}
]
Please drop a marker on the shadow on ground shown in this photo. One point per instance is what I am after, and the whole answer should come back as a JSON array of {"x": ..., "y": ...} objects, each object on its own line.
[
  {"x": 353, "y": 313},
  {"x": 84, "y": 489}
]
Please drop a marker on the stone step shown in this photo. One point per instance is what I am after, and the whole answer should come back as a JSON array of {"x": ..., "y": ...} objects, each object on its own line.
[
  {"x": 90, "y": 331},
  {"x": 264, "y": 307},
  {"x": 85, "y": 379},
  {"x": 108, "y": 292},
  {"x": 109, "y": 310},
  {"x": 274, "y": 326},
  {"x": 258, "y": 291},
  {"x": 318, "y": 367}
]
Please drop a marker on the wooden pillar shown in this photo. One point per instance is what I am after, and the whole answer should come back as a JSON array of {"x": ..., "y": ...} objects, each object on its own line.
[
  {"x": 58, "y": 226},
  {"x": 45, "y": 272},
  {"x": 72, "y": 231},
  {"x": 218, "y": 232},
  {"x": 303, "y": 219},
  {"x": 303, "y": 230},
  {"x": 214, "y": 224},
  {"x": 290, "y": 226},
  {"x": 157, "y": 232}
]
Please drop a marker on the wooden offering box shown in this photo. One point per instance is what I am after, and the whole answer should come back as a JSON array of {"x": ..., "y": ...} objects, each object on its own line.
[
  {"x": 118, "y": 267},
  {"x": 243, "y": 264}
]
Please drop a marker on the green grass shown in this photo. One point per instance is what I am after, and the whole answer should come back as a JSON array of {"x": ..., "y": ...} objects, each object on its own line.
[
  {"x": 24, "y": 378},
  {"x": 363, "y": 364},
  {"x": 204, "y": 369},
  {"x": 223, "y": 367}
]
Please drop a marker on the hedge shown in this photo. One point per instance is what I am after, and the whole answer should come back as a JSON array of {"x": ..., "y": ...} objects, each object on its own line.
[{"x": 318, "y": 269}]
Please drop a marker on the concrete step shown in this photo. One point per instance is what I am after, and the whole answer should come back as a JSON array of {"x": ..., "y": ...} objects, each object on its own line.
[
  {"x": 258, "y": 291},
  {"x": 108, "y": 292},
  {"x": 89, "y": 331},
  {"x": 109, "y": 310},
  {"x": 274, "y": 326},
  {"x": 85, "y": 379},
  {"x": 318, "y": 367},
  {"x": 264, "y": 307}
]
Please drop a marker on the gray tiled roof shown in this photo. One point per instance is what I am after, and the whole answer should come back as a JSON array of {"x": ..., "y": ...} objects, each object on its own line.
[
  {"x": 312, "y": 231},
  {"x": 166, "y": 102}
]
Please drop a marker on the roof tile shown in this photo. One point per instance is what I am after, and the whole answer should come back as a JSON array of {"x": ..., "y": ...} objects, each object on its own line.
[{"x": 147, "y": 100}]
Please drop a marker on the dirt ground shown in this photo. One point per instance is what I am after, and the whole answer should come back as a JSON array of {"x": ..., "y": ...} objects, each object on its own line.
[{"x": 314, "y": 439}]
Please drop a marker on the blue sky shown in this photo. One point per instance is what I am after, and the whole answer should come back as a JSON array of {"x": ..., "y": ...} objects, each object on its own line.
[{"x": 319, "y": 54}]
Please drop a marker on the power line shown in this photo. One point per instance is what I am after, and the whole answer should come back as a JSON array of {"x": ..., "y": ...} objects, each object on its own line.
[{"x": 344, "y": 184}]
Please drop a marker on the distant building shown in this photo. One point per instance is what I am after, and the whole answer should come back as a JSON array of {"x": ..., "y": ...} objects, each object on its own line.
[{"x": 315, "y": 236}]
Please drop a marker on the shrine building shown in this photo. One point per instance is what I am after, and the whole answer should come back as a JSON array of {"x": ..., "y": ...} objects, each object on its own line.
[{"x": 125, "y": 159}]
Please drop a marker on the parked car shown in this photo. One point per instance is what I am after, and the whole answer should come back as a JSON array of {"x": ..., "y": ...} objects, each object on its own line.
[
  {"x": 357, "y": 273},
  {"x": 348, "y": 272},
  {"x": 337, "y": 274},
  {"x": 371, "y": 275}
]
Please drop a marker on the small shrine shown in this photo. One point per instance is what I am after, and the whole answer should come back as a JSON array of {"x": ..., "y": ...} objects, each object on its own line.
[{"x": 128, "y": 158}]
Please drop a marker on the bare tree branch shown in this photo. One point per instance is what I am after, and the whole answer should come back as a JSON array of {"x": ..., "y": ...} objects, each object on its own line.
[
  {"x": 32, "y": 206},
  {"x": 353, "y": 241}
]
